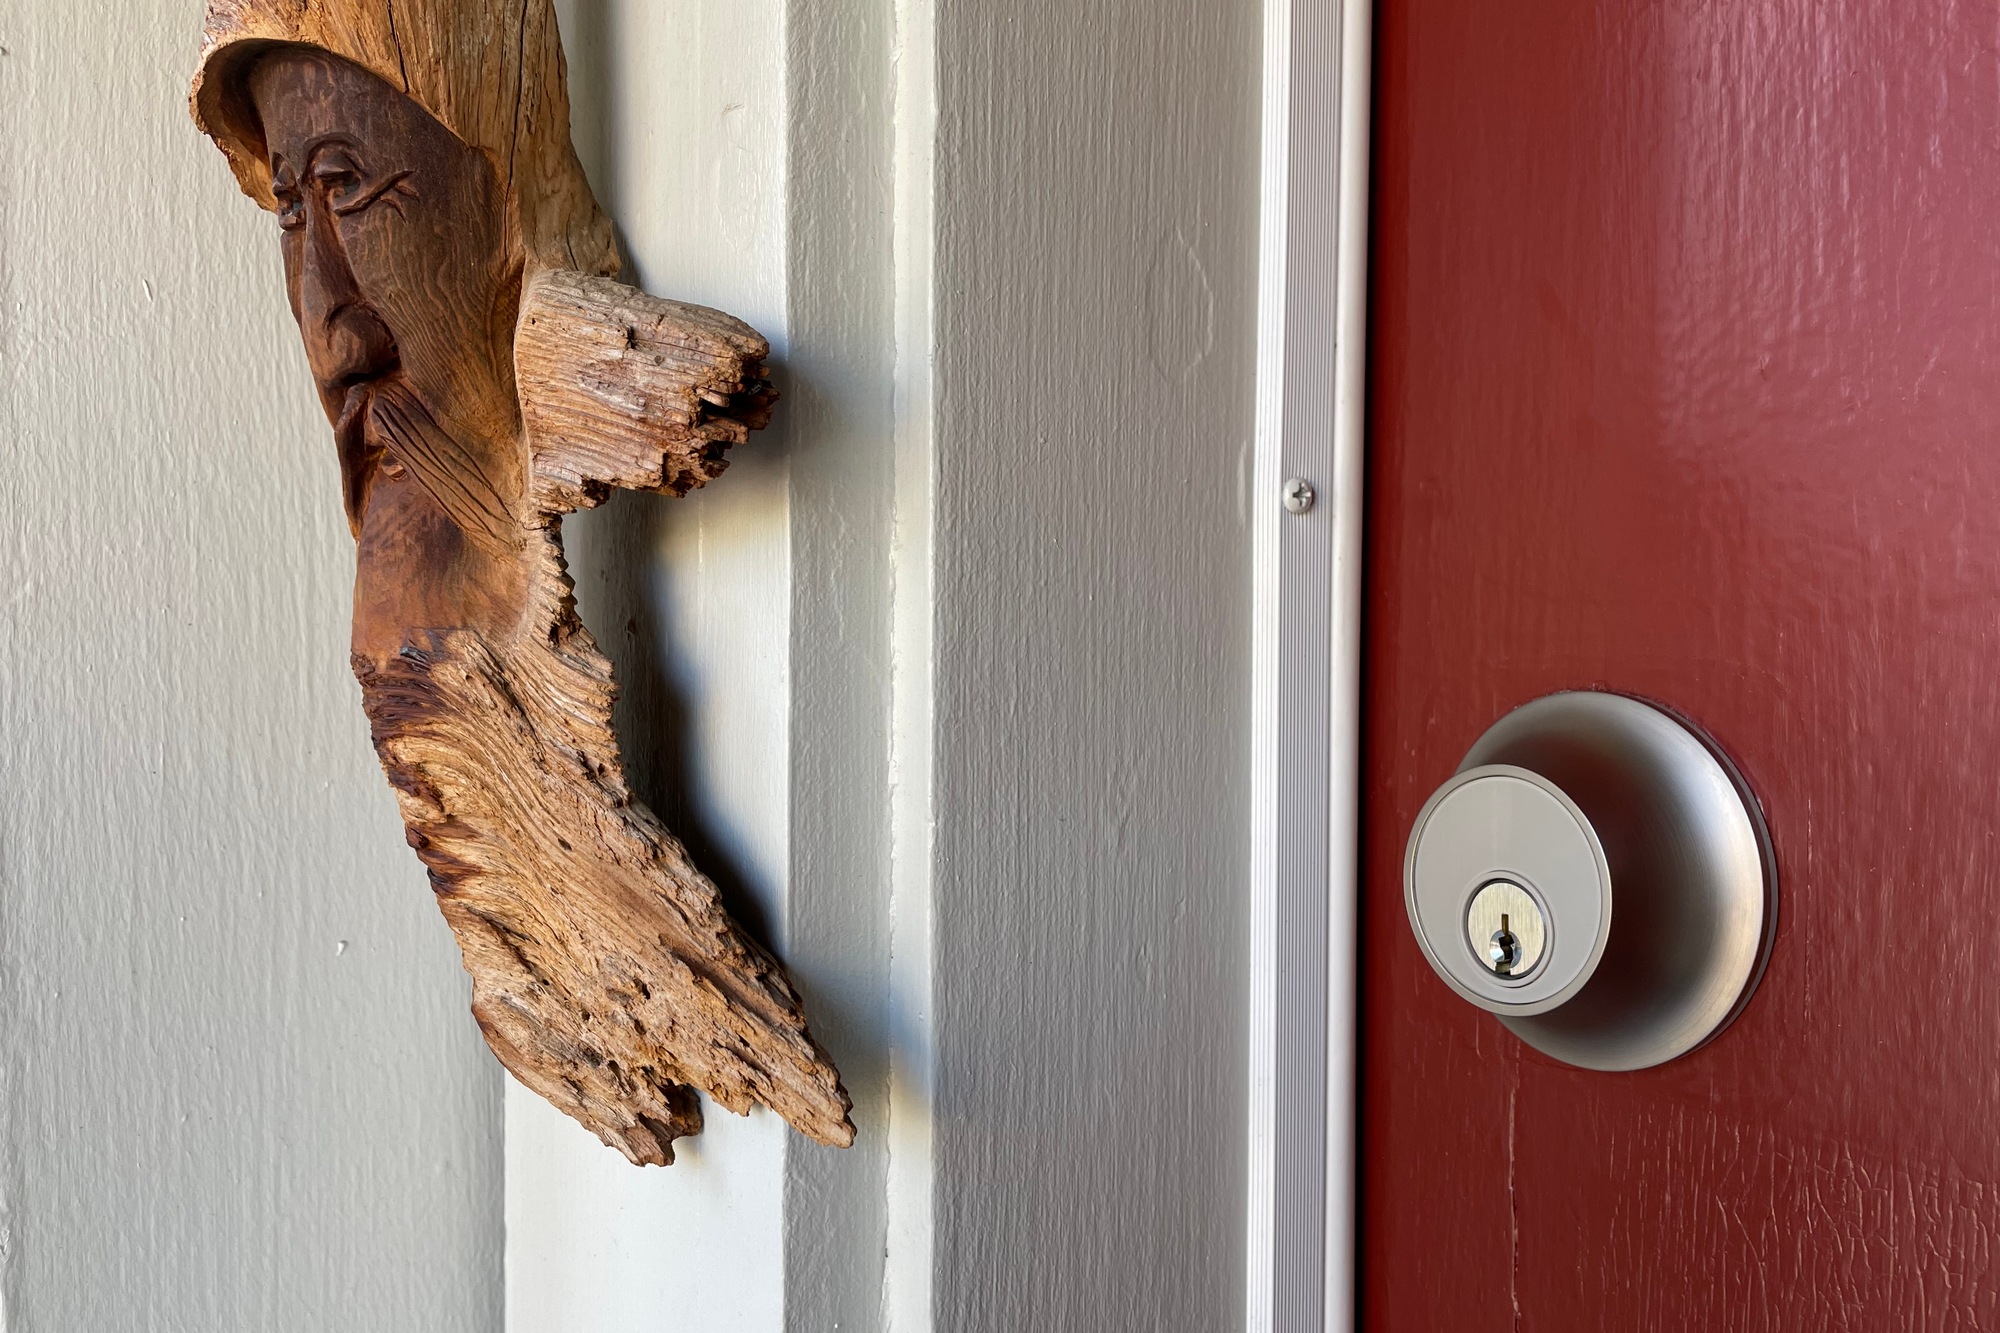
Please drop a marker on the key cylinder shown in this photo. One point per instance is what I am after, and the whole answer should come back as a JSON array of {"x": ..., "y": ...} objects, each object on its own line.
[{"x": 1507, "y": 930}]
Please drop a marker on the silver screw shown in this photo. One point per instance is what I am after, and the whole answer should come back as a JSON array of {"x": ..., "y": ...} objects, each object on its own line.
[{"x": 1299, "y": 495}]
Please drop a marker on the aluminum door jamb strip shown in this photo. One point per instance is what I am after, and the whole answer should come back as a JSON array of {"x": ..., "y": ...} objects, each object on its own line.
[{"x": 1312, "y": 324}]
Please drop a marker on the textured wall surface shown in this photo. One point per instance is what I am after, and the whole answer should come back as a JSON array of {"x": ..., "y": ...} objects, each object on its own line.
[
  {"x": 240, "y": 1087},
  {"x": 1096, "y": 255},
  {"x": 1010, "y": 608}
]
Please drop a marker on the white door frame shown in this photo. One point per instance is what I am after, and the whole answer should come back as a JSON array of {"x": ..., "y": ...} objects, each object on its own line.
[{"x": 1305, "y": 789}]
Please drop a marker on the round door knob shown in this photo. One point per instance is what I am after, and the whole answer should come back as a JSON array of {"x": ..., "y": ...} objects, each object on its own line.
[{"x": 1597, "y": 875}]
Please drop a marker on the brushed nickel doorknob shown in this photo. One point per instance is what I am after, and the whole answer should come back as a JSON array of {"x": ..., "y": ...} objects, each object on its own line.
[{"x": 1598, "y": 876}]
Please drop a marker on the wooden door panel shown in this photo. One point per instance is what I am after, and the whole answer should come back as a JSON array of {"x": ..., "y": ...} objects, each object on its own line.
[{"x": 1686, "y": 383}]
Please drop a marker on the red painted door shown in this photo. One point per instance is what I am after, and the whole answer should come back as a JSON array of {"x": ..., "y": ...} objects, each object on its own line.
[{"x": 1686, "y": 383}]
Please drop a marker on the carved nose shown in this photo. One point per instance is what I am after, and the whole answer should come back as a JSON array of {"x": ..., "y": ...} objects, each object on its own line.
[{"x": 346, "y": 341}]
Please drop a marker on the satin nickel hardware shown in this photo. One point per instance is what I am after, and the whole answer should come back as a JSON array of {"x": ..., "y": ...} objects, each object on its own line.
[{"x": 1598, "y": 876}]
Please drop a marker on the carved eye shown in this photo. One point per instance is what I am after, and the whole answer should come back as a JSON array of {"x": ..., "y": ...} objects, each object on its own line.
[{"x": 339, "y": 178}]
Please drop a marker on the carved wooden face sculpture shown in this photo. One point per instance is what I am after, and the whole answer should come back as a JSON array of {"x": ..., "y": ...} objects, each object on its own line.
[
  {"x": 478, "y": 391},
  {"x": 406, "y": 289}
]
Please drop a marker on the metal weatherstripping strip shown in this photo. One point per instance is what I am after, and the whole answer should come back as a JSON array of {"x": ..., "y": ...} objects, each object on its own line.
[{"x": 1300, "y": 1236}]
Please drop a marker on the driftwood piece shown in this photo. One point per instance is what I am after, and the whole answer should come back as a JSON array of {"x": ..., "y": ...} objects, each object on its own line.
[
  {"x": 622, "y": 389},
  {"x": 484, "y": 376}
]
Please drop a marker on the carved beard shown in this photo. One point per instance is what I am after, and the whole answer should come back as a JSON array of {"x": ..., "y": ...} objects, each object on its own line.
[
  {"x": 386, "y": 423},
  {"x": 606, "y": 975}
]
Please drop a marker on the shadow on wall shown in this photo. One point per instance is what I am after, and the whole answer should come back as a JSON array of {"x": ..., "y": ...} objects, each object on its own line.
[{"x": 616, "y": 551}]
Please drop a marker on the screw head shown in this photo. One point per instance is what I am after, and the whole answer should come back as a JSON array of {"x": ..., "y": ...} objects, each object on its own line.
[{"x": 1299, "y": 495}]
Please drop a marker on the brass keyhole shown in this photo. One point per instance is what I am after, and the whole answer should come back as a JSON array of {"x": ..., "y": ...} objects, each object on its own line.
[{"x": 1506, "y": 930}]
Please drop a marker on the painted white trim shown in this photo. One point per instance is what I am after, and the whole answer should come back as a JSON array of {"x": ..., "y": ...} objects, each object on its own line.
[
  {"x": 907, "y": 1298},
  {"x": 1312, "y": 329}
]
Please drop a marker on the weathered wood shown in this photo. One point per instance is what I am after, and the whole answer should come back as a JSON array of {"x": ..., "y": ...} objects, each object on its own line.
[
  {"x": 622, "y": 389},
  {"x": 484, "y": 376}
]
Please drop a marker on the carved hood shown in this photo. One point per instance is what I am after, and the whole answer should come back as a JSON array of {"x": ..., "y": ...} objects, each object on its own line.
[{"x": 491, "y": 74}]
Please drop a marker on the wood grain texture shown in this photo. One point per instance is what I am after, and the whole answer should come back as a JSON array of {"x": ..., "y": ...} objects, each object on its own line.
[
  {"x": 490, "y": 71},
  {"x": 621, "y": 389},
  {"x": 480, "y": 388},
  {"x": 1685, "y": 323}
]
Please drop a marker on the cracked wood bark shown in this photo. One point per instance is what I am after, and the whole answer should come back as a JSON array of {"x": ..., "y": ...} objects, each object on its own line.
[{"x": 485, "y": 376}]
